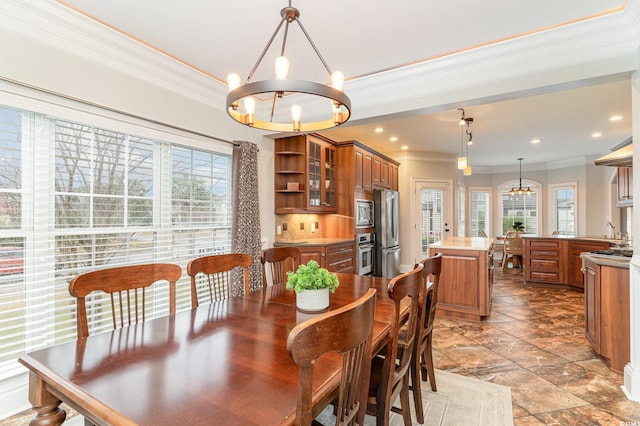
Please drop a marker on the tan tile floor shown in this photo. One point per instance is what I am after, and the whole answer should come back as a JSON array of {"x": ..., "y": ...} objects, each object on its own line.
[{"x": 533, "y": 341}]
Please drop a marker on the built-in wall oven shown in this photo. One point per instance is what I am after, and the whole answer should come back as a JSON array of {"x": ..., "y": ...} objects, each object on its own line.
[
  {"x": 365, "y": 248},
  {"x": 364, "y": 214}
]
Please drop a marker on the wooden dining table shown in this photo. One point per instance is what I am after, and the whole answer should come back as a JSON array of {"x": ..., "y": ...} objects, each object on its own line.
[{"x": 223, "y": 363}]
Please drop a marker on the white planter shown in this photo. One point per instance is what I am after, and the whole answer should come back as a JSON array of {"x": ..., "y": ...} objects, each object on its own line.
[{"x": 313, "y": 300}]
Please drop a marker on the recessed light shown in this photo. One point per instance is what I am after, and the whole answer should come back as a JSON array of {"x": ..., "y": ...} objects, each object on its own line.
[
  {"x": 378, "y": 130},
  {"x": 534, "y": 141},
  {"x": 596, "y": 134},
  {"x": 393, "y": 138},
  {"x": 404, "y": 147},
  {"x": 615, "y": 118}
]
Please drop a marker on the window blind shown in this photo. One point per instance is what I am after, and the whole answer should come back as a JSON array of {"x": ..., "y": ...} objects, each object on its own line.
[{"x": 76, "y": 196}]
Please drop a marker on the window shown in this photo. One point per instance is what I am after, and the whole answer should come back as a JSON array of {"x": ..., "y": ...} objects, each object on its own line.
[
  {"x": 80, "y": 192},
  {"x": 563, "y": 203},
  {"x": 519, "y": 211},
  {"x": 461, "y": 211},
  {"x": 480, "y": 211}
]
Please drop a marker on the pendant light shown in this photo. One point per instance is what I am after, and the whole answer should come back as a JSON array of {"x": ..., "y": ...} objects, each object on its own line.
[
  {"x": 337, "y": 111},
  {"x": 462, "y": 160},
  {"x": 467, "y": 170},
  {"x": 520, "y": 190}
]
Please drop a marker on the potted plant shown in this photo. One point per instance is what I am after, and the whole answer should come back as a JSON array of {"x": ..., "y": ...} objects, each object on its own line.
[
  {"x": 518, "y": 226},
  {"x": 312, "y": 285}
]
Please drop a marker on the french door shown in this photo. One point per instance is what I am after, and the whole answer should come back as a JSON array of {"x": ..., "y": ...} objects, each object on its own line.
[{"x": 432, "y": 210}]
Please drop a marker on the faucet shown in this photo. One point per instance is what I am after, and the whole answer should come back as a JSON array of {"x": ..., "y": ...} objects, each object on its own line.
[{"x": 613, "y": 229}]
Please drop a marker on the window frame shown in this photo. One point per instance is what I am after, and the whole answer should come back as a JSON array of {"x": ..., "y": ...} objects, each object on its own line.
[
  {"x": 481, "y": 190},
  {"x": 552, "y": 212},
  {"x": 505, "y": 186}
]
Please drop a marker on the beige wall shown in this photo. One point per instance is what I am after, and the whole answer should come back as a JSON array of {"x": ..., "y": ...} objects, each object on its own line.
[{"x": 594, "y": 195}]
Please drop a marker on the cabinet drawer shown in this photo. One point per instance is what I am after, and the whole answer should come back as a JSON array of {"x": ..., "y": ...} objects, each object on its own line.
[
  {"x": 339, "y": 251},
  {"x": 544, "y": 253},
  {"x": 544, "y": 244},
  {"x": 553, "y": 264},
  {"x": 548, "y": 277},
  {"x": 344, "y": 265}
]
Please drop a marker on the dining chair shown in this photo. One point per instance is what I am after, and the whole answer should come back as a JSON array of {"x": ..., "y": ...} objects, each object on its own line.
[
  {"x": 127, "y": 289},
  {"x": 276, "y": 262},
  {"x": 484, "y": 234},
  {"x": 215, "y": 274},
  {"x": 513, "y": 249},
  {"x": 346, "y": 330},
  {"x": 391, "y": 370},
  {"x": 422, "y": 362}
]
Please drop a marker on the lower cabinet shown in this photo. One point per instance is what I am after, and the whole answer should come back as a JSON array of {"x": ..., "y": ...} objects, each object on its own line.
[
  {"x": 557, "y": 261},
  {"x": 606, "y": 299},
  {"x": 466, "y": 283},
  {"x": 338, "y": 257}
]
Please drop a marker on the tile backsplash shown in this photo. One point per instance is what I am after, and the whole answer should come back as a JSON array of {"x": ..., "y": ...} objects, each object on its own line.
[{"x": 298, "y": 227}]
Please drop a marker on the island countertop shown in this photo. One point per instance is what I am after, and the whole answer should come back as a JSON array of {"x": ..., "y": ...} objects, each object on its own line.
[
  {"x": 463, "y": 243},
  {"x": 607, "y": 260},
  {"x": 573, "y": 238}
]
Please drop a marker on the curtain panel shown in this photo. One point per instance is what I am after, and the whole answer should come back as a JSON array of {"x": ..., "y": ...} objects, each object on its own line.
[{"x": 245, "y": 237}]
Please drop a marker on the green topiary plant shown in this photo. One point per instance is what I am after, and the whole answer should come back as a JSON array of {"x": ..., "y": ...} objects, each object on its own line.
[{"x": 311, "y": 277}]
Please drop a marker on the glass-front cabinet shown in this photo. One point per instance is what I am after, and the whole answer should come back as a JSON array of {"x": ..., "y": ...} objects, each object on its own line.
[
  {"x": 322, "y": 175},
  {"x": 305, "y": 175}
]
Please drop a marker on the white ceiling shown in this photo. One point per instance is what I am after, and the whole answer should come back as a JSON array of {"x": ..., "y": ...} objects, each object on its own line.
[{"x": 379, "y": 38}]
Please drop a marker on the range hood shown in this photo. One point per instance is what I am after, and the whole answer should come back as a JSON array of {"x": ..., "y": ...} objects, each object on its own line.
[{"x": 620, "y": 157}]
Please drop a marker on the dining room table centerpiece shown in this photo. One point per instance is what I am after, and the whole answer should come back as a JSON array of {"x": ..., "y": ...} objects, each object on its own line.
[{"x": 312, "y": 285}]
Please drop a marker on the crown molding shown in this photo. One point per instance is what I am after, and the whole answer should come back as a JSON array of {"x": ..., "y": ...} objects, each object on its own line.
[{"x": 56, "y": 25}]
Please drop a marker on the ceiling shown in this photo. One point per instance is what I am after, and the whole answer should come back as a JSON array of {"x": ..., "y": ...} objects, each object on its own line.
[{"x": 365, "y": 39}]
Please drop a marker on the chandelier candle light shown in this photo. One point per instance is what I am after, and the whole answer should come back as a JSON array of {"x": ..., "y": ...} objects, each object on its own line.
[
  {"x": 520, "y": 190},
  {"x": 338, "y": 110}
]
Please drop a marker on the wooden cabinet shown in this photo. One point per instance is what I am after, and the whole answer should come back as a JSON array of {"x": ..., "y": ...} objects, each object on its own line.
[
  {"x": 466, "y": 283},
  {"x": 575, "y": 262},
  {"x": 363, "y": 170},
  {"x": 607, "y": 312},
  {"x": 339, "y": 257},
  {"x": 384, "y": 173},
  {"x": 557, "y": 261},
  {"x": 543, "y": 260},
  {"x": 625, "y": 187},
  {"x": 305, "y": 175}
]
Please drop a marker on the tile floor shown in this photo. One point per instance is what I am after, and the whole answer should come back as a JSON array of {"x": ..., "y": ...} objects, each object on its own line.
[{"x": 533, "y": 341}]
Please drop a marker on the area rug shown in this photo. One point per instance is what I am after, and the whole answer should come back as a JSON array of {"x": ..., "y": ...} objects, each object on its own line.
[{"x": 460, "y": 400}]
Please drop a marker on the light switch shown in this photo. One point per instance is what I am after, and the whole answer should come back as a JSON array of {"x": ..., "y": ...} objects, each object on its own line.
[
  {"x": 313, "y": 227},
  {"x": 279, "y": 229}
]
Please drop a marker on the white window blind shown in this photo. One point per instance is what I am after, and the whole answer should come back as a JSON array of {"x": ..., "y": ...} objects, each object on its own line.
[
  {"x": 563, "y": 204},
  {"x": 461, "y": 212},
  {"x": 77, "y": 196},
  {"x": 521, "y": 209}
]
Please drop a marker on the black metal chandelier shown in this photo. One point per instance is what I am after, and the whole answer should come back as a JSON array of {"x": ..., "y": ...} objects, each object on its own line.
[
  {"x": 338, "y": 110},
  {"x": 520, "y": 190}
]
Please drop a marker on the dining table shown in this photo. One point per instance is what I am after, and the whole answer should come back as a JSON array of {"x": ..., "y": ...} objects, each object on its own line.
[{"x": 220, "y": 363}]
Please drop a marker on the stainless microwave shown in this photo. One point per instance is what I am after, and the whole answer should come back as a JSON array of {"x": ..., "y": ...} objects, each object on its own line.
[{"x": 364, "y": 214}]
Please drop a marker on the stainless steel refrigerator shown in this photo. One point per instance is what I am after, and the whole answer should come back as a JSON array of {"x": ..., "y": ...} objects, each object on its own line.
[{"x": 387, "y": 253}]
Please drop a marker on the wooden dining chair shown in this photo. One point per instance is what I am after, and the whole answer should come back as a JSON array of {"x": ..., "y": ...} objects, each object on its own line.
[
  {"x": 215, "y": 274},
  {"x": 422, "y": 362},
  {"x": 127, "y": 288},
  {"x": 390, "y": 371},
  {"x": 513, "y": 249},
  {"x": 346, "y": 330},
  {"x": 483, "y": 234},
  {"x": 276, "y": 262}
]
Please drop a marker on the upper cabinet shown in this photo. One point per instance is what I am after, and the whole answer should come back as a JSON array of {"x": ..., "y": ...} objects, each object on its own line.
[
  {"x": 625, "y": 187},
  {"x": 305, "y": 175}
]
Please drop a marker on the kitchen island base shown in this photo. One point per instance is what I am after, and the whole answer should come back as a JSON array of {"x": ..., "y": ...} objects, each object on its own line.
[{"x": 466, "y": 277}]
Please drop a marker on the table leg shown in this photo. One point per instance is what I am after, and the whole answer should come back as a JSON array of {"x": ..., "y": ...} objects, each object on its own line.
[{"x": 44, "y": 404}]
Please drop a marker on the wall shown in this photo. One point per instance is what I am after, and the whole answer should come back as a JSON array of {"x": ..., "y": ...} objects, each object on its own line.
[{"x": 592, "y": 181}]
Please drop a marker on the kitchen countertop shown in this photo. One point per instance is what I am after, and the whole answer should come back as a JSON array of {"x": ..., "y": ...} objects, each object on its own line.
[
  {"x": 570, "y": 237},
  {"x": 463, "y": 243},
  {"x": 313, "y": 242},
  {"x": 607, "y": 259}
]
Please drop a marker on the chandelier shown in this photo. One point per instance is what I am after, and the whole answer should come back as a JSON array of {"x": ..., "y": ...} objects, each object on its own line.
[
  {"x": 338, "y": 103},
  {"x": 520, "y": 190}
]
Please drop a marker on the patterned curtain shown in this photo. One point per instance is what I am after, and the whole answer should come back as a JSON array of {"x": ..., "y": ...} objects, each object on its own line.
[{"x": 245, "y": 236}]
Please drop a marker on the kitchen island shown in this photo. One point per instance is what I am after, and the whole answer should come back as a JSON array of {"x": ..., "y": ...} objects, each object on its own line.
[
  {"x": 606, "y": 301},
  {"x": 466, "y": 278},
  {"x": 555, "y": 259}
]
